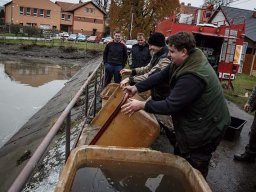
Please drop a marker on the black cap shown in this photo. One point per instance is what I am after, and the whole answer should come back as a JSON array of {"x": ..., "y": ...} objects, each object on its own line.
[{"x": 157, "y": 39}]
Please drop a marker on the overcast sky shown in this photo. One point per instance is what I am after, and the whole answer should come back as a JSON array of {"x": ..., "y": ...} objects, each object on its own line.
[{"x": 243, "y": 4}]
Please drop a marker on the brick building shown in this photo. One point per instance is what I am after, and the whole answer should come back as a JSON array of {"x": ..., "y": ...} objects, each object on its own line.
[{"x": 86, "y": 18}]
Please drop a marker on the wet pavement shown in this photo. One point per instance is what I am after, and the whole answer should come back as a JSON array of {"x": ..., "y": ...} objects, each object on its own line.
[{"x": 225, "y": 174}]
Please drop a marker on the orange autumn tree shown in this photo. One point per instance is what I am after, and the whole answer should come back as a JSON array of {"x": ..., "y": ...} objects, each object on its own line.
[{"x": 142, "y": 15}]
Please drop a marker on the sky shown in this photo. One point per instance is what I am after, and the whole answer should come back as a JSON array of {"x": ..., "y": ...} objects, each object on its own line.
[{"x": 243, "y": 4}]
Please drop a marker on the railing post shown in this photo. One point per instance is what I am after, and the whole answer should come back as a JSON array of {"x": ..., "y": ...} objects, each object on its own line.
[
  {"x": 95, "y": 92},
  {"x": 68, "y": 126},
  {"x": 86, "y": 101}
]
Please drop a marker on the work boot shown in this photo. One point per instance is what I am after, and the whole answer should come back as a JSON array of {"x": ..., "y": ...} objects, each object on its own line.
[{"x": 244, "y": 157}]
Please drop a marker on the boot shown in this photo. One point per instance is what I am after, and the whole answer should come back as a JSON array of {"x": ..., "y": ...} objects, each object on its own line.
[{"x": 244, "y": 157}]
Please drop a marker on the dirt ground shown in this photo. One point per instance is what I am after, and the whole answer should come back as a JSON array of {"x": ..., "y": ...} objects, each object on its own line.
[{"x": 48, "y": 54}]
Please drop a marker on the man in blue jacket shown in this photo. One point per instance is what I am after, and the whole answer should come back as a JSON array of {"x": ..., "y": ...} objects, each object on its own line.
[
  {"x": 114, "y": 58},
  {"x": 196, "y": 102}
]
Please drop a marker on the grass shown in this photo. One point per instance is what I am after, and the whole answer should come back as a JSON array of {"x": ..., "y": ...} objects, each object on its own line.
[
  {"x": 56, "y": 43},
  {"x": 241, "y": 85}
]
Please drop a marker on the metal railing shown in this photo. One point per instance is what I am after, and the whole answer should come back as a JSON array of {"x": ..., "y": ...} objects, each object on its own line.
[{"x": 96, "y": 78}]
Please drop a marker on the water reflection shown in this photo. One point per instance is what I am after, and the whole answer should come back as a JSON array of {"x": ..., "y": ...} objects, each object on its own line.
[{"x": 26, "y": 86}]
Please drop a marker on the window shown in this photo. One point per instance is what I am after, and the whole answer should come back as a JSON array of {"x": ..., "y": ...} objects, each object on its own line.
[
  {"x": 89, "y": 10},
  {"x": 21, "y": 10},
  {"x": 41, "y": 13},
  {"x": 62, "y": 16},
  {"x": 35, "y": 12},
  {"x": 69, "y": 17},
  {"x": 94, "y": 20},
  {"x": 48, "y": 13},
  {"x": 28, "y": 11}
]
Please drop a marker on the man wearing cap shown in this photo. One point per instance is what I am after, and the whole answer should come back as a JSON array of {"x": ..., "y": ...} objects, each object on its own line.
[{"x": 159, "y": 61}]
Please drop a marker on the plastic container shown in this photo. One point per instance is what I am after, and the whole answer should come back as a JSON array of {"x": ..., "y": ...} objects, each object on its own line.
[
  {"x": 139, "y": 130},
  {"x": 85, "y": 156},
  {"x": 108, "y": 91},
  {"x": 234, "y": 129}
]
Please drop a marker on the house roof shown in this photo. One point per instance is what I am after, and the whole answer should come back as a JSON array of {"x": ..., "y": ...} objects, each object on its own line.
[
  {"x": 188, "y": 9},
  {"x": 250, "y": 21},
  {"x": 73, "y": 6}
]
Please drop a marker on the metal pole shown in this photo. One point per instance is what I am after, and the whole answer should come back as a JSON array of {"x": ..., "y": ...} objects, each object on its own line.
[
  {"x": 95, "y": 92},
  {"x": 68, "y": 126}
]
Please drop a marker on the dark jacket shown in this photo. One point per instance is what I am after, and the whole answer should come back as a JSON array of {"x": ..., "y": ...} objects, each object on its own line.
[
  {"x": 115, "y": 53},
  {"x": 200, "y": 115},
  {"x": 140, "y": 55},
  {"x": 252, "y": 100}
]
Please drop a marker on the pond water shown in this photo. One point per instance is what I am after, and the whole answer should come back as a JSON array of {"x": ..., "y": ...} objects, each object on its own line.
[
  {"x": 25, "y": 87},
  {"x": 114, "y": 176}
]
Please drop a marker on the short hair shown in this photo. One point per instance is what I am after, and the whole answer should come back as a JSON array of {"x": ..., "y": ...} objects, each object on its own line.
[
  {"x": 139, "y": 35},
  {"x": 117, "y": 31},
  {"x": 182, "y": 40}
]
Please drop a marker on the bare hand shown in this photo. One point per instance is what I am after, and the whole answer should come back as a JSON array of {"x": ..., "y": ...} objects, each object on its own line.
[
  {"x": 125, "y": 71},
  {"x": 132, "y": 106},
  {"x": 247, "y": 107},
  {"x": 129, "y": 91},
  {"x": 124, "y": 82}
]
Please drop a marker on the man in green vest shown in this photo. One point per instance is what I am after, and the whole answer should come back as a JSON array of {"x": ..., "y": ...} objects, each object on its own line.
[{"x": 196, "y": 101}]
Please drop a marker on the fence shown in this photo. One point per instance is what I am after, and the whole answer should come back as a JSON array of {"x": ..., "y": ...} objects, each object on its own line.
[{"x": 92, "y": 86}]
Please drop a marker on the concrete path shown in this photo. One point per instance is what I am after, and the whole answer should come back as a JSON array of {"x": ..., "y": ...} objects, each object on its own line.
[{"x": 227, "y": 175}]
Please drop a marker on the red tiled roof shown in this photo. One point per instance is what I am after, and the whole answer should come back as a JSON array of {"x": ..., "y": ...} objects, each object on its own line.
[{"x": 64, "y": 6}]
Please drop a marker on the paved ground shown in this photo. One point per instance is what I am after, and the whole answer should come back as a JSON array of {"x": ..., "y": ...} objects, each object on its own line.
[{"x": 225, "y": 174}]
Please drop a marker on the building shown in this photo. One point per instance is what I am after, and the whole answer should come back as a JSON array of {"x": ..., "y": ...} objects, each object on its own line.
[
  {"x": 86, "y": 18},
  {"x": 231, "y": 14},
  {"x": 43, "y": 14}
]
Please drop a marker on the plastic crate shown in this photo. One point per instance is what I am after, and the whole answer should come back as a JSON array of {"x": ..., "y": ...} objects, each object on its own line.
[{"x": 234, "y": 129}]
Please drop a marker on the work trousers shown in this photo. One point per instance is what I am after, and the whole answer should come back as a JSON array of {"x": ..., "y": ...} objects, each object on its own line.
[
  {"x": 199, "y": 158},
  {"x": 251, "y": 147},
  {"x": 112, "y": 70}
]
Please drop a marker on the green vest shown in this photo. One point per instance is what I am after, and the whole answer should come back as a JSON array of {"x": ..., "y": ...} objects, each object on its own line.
[{"x": 205, "y": 120}]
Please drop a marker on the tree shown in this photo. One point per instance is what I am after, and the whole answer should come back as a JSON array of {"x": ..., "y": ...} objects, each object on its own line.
[{"x": 140, "y": 15}]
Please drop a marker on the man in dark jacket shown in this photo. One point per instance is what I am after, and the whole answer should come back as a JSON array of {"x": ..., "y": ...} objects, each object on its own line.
[
  {"x": 114, "y": 58},
  {"x": 140, "y": 52},
  {"x": 196, "y": 102},
  {"x": 250, "y": 150}
]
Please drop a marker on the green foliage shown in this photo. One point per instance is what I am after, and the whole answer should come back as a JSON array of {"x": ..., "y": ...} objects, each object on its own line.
[
  {"x": 32, "y": 31},
  {"x": 144, "y": 14},
  {"x": 15, "y": 28}
]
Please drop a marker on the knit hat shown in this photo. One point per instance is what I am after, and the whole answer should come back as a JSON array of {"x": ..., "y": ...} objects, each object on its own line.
[{"x": 157, "y": 39}]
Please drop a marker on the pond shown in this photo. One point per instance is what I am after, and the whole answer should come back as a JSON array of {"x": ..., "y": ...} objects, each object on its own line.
[{"x": 25, "y": 87}]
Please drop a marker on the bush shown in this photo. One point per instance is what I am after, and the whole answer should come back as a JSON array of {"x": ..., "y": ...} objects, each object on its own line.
[{"x": 15, "y": 28}]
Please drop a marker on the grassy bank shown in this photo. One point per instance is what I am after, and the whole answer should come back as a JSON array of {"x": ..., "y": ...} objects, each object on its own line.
[
  {"x": 242, "y": 84},
  {"x": 56, "y": 43}
]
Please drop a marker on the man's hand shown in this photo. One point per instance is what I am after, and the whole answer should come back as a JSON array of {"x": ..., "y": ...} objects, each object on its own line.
[
  {"x": 124, "y": 82},
  {"x": 132, "y": 106},
  {"x": 125, "y": 71},
  {"x": 247, "y": 107},
  {"x": 129, "y": 91}
]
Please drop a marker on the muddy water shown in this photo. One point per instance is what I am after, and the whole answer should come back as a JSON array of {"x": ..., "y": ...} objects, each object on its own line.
[
  {"x": 112, "y": 176},
  {"x": 25, "y": 87}
]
